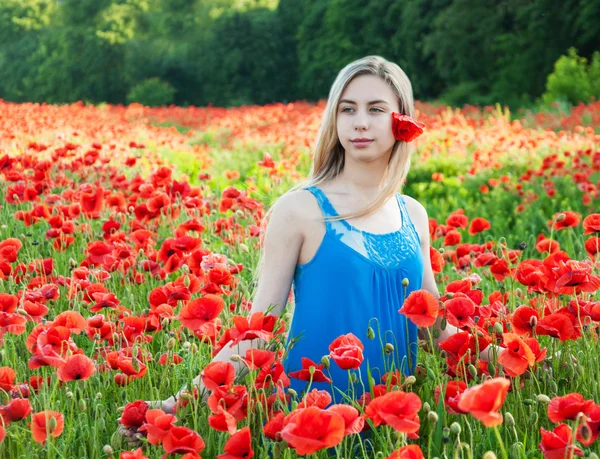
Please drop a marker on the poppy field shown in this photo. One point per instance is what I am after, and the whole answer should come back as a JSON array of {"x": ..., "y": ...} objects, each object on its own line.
[{"x": 128, "y": 239}]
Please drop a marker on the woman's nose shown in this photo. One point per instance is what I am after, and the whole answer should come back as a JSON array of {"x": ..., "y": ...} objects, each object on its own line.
[{"x": 361, "y": 120}]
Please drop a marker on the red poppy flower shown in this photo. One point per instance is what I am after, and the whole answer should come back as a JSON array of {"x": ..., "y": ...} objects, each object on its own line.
[
  {"x": 353, "y": 421},
  {"x": 8, "y": 303},
  {"x": 157, "y": 425},
  {"x": 200, "y": 311},
  {"x": 397, "y": 409},
  {"x": 484, "y": 400},
  {"x": 517, "y": 357},
  {"x": 407, "y": 452},
  {"x": 406, "y": 128},
  {"x": 217, "y": 374},
  {"x": 452, "y": 237},
  {"x": 421, "y": 307},
  {"x": 316, "y": 397},
  {"x": 460, "y": 311},
  {"x": 556, "y": 325},
  {"x": 523, "y": 320},
  {"x": 16, "y": 410},
  {"x": 592, "y": 422},
  {"x": 478, "y": 225},
  {"x": 258, "y": 358},
  {"x": 304, "y": 373},
  {"x": 570, "y": 220},
  {"x": 567, "y": 407},
  {"x": 272, "y": 429},
  {"x": 77, "y": 367},
  {"x": 7, "y": 378},
  {"x": 311, "y": 429},
  {"x": 134, "y": 414},
  {"x": 181, "y": 440},
  {"x": 137, "y": 454},
  {"x": 591, "y": 224},
  {"x": 547, "y": 245},
  {"x": 41, "y": 427},
  {"x": 452, "y": 392},
  {"x": 558, "y": 444},
  {"x": 592, "y": 246},
  {"x": 457, "y": 220},
  {"x": 239, "y": 445},
  {"x": 346, "y": 351},
  {"x": 233, "y": 398}
]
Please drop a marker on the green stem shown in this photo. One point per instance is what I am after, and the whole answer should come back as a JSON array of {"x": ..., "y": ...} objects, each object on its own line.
[{"x": 500, "y": 443}]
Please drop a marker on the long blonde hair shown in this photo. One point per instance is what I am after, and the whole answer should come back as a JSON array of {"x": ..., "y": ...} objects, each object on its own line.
[{"x": 328, "y": 158}]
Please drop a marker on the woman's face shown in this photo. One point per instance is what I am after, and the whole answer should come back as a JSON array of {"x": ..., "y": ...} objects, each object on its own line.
[{"x": 365, "y": 112}]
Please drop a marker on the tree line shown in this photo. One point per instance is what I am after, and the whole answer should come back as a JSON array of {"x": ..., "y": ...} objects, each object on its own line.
[{"x": 233, "y": 52}]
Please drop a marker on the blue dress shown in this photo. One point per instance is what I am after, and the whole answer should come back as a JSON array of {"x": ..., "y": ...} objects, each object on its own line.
[{"x": 355, "y": 281}]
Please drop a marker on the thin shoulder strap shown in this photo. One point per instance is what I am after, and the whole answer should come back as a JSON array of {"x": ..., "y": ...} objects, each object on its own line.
[{"x": 326, "y": 208}]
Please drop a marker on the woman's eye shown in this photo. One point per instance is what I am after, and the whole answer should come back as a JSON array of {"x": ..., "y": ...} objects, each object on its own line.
[
  {"x": 346, "y": 108},
  {"x": 377, "y": 108}
]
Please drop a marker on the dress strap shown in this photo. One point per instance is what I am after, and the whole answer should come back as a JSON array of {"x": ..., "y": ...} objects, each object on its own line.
[{"x": 326, "y": 207}]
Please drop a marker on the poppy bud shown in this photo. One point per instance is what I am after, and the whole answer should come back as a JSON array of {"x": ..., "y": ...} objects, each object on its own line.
[
  {"x": 193, "y": 348},
  {"x": 131, "y": 209},
  {"x": 431, "y": 374},
  {"x": 379, "y": 455},
  {"x": 445, "y": 434},
  {"x": 69, "y": 394},
  {"x": 499, "y": 328},
  {"x": 235, "y": 358},
  {"x": 593, "y": 456},
  {"x": 135, "y": 364},
  {"x": 444, "y": 323},
  {"x": 52, "y": 423},
  {"x": 426, "y": 407},
  {"x": 244, "y": 248},
  {"x": 543, "y": 399},
  {"x": 436, "y": 332},
  {"x": 370, "y": 333},
  {"x": 472, "y": 370},
  {"x": 186, "y": 280},
  {"x": 528, "y": 402},
  {"x": 186, "y": 345},
  {"x": 292, "y": 392},
  {"x": 325, "y": 361},
  {"x": 353, "y": 378},
  {"x": 72, "y": 263},
  {"x": 22, "y": 312},
  {"x": 99, "y": 396},
  {"x": 510, "y": 420},
  {"x": 432, "y": 417},
  {"x": 489, "y": 455},
  {"x": 107, "y": 450},
  {"x": 185, "y": 395},
  {"x": 455, "y": 428},
  {"x": 405, "y": 282},
  {"x": 410, "y": 380},
  {"x": 522, "y": 245},
  {"x": 239, "y": 213},
  {"x": 561, "y": 217},
  {"x": 491, "y": 369},
  {"x": 82, "y": 405},
  {"x": 389, "y": 348}
]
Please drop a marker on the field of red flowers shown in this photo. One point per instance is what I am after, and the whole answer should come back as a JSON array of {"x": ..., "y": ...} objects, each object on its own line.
[{"x": 128, "y": 239}]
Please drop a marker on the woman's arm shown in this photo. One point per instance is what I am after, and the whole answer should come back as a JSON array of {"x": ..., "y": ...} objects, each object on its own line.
[{"x": 282, "y": 243}]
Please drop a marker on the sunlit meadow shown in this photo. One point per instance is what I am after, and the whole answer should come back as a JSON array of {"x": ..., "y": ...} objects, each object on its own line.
[{"x": 128, "y": 239}]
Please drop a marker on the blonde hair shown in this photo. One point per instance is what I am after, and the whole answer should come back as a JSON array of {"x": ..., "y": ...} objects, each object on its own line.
[{"x": 328, "y": 158}]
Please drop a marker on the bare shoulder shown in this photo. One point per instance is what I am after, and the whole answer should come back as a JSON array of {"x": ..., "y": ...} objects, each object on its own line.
[
  {"x": 418, "y": 215},
  {"x": 298, "y": 208}
]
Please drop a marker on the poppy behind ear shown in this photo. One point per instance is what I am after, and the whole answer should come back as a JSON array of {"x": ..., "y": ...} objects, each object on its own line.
[{"x": 406, "y": 128}]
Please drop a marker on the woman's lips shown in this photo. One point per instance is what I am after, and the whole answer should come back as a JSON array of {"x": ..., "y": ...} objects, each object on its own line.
[{"x": 362, "y": 144}]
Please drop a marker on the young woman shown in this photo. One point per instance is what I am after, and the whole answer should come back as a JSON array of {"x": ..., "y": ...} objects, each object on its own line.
[{"x": 352, "y": 246}]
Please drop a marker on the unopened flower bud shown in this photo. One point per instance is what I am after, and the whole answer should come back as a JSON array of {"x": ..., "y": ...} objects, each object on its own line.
[
  {"x": 510, "y": 420},
  {"x": 389, "y": 348},
  {"x": 186, "y": 345},
  {"x": 69, "y": 394},
  {"x": 533, "y": 321},
  {"x": 72, "y": 263},
  {"x": 426, "y": 407},
  {"x": 489, "y": 455},
  {"x": 292, "y": 392},
  {"x": 82, "y": 405},
  {"x": 235, "y": 358},
  {"x": 444, "y": 323},
  {"x": 171, "y": 344},
  {"x": 185, "y": 395},
  {"x": 325, "y": 361},
  {"x": 98, "y": 395},
  {"x": 107, "y": 450},
  {"x": 431, "y": 374},
  {"x": 593, "y": 456},
  {"x": 499, "y": 328},
  {"x": 52, "y": 423},
  {"x": 543, "y": 399},
  {"x": 405, "y": 282},
  {"x": 472, "y": 370},
  {"x": 193, "y": 348},
  {"x": 410, "y": 380},
  {"x": 561, "y": 217},
  {"x": 455, "y": 428},
  {"x": 370, "y": 333},
  {"x": 244, "y": 248},
  {"x": 186, "y": 281},
  {"x": 165, "y": 323},
  {"x": 491, "y": 369},
  {"x": 432, "y": 417}
]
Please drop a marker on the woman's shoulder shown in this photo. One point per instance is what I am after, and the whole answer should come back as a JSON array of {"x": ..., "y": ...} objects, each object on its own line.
[{"x": 300, "y": 205}]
